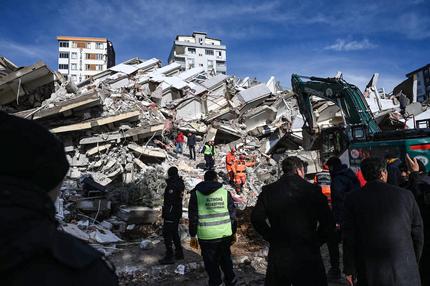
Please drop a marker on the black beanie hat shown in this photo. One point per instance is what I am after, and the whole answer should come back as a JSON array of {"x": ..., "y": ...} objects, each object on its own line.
[
  {"x": 30, "y": 153},
  {"x": 172, "y": 172}
]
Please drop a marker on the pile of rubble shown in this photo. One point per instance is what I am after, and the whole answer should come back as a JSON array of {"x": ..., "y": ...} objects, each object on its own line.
[{"x": 118, "y": 128}]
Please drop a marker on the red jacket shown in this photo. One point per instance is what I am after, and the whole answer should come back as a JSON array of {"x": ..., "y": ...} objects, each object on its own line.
[{"x": 180, "y": 138}]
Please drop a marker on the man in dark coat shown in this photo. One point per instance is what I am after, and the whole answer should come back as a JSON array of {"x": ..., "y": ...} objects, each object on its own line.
[
  {"x": 382, "y": 232},
  {"x": 33, "y": 251},
  {"x": 343, "y": 181},
  {"x": 294, "y": 217},
  {"x": 191, "y": 142},
  {"x": 393, "y": 170},
  {"x": 419, "y": 184},
  {"x": 172, "y": 213},
  {"x": 217, "y": 217}
]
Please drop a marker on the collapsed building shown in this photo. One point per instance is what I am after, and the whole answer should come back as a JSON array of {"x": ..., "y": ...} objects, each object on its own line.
[{"x": 118, "y": 128}]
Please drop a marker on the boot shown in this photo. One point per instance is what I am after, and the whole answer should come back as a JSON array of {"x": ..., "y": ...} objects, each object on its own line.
[
  {"x": 179, "y": 254},
  {"x": 168, "y": 258},
  {"x": 334, "y": 274}
]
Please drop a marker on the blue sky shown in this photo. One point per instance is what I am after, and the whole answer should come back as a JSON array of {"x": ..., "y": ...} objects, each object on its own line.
[{"x": 263, "y": 38}]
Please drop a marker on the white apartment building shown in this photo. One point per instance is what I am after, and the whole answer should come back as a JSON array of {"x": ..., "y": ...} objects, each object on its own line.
[
  {"x": 81, "y": 57},
  {"x": 198, "y": 50}
]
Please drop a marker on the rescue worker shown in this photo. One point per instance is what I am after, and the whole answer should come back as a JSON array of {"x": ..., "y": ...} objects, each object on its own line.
[
  {"x": 294, "y": 217},
  {"x": 230, "y": 159},
  {"x": 212, "y": 217},
  {"x": 323, "y": 180},
  {"x": 33, "y": 250},
  {"x": 209, "y": 153},
  {"x": 172, "y": 213},
  {"x": 191, "y": 142},
  {"x": 240, "y": 171}
]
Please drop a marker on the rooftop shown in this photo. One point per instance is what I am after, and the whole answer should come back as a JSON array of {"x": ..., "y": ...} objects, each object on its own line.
[{"x": 88, "y": 39}]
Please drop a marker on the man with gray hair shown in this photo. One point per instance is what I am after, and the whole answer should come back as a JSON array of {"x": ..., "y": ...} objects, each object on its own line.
[{"x": 294, "y": 217}]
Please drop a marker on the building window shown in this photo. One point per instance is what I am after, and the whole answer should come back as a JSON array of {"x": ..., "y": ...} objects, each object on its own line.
[
  {"x": 74, "y": 55},
  {"x": 99, "y": 56},
  {"x": 74, "y": 67},
  {"x": 190, "y": 63},
  {"x": 218, "y": 54},
  {"x": 64, "y": 55},
  {"x": 210, "y": 64},
  {"x": 192, "y": 51},
  {"x": 87, "y": 77},
  {"x": 99, "y": 46},
  {"x": 63, "y": 67},
  {"x": 74, "y": 77},
  {"x": 88, "y": 45},
  {"x": 74, "y": 45},
  {"x": 64, "y": 44},
  {"x": 209, "y": 52},
  {"x": 99, "y": 67}
]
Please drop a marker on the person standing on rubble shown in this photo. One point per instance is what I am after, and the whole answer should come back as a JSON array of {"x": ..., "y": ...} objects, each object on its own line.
[
  {"x": 230, "y": 159},
  {"x": 172, "y": 213},
  {"x": 343, "y": 181},
  {"x": 212, "y": 217},
  {"x": 191, "y": 142},
  {"x": 34, "y": 252},
  {"x": 294, "y": 217},
  {"x": 209, "y": 153},
  {"x": 382, "y": 232},
  {"x": 180, "y": 139},
  {"x": 240, "y": 171}
]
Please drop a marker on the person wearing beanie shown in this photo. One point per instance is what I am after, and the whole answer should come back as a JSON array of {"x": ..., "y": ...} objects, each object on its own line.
[
  {"x": 171, "y": 214},
  {"x": 33, "y": 251}
]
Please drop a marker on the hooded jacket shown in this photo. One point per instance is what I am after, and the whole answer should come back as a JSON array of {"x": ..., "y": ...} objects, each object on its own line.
[
  {"x": 172, "y": 205},
  {"x": 207, "y": 188},
  {"x": 343, "y": 181},
  {"x": 34, "y": 252}
]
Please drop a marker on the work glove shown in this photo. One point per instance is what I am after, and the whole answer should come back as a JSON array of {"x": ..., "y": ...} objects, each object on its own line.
[
  {"x": 194, "y": 243},
  {"x": 233, "y": 239}
]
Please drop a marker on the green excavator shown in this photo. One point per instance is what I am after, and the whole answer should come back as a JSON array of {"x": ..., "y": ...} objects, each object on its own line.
[{"x": 359, "y": 136}]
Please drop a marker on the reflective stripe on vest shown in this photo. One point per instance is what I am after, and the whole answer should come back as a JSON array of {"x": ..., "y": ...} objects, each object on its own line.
[{"x": 214, "y": 218}]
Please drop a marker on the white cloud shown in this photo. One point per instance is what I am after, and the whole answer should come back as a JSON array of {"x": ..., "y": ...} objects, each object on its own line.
[{"x": 345, "y": 45}]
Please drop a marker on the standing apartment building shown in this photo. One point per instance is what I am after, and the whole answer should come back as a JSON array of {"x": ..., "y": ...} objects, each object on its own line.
[
  {"x": 421, "y": 81},
  {"x": 81, "y": 57},
  {"x": 198, "y": 50}
]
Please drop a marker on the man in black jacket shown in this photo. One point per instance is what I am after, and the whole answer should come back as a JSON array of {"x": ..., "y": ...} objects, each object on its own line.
[
  {"x": 382, "y": 232},
  {"x": 191, "y": 142},
  {"x": 33, "y": 251},
  {"x": 294, "y": 216},
  {"x": 212, "y": 217},
  {"x": 343, "y": 181},
  {"x": 419, "y": 184},
  {"x": 172, "y": 213}
]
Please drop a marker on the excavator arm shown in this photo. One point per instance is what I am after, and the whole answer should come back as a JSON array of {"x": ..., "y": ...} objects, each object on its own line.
[{"x": 347, "y": 97}]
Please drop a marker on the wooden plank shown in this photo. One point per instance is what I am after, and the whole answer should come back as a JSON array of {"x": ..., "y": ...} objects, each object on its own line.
[
  {"x": 97, "y": 149},
  {"x": 147, "y": 151},
  {"x": 63, "y": 107},
  {"x": 142, "y": 130},
  {"x": 95, "y": 122}
]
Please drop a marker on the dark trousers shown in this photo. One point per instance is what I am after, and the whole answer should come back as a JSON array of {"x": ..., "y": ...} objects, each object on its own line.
[
  {"x": 192, "y": 152},
  {"x": 171, "y": 236},
  {"x": 295, "y": 267},
  {"x": 333, "y": 249},
  {"x": 216, "y": 255},
  {"x": 210, "y": 163}
]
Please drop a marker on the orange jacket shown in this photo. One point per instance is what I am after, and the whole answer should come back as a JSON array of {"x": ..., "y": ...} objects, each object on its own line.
[
  {"x": 240, "y": 166},
  {"x": 229, "y": 161}
]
